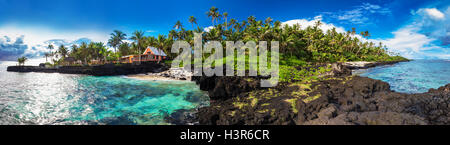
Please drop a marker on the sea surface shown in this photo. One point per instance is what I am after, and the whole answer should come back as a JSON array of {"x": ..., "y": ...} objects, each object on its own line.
[
  {"x": 52, "y": 98},
  {"x": 416, "y": 76}
]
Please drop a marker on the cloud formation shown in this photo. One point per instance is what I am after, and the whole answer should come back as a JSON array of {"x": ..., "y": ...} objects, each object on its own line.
[
  {"x": 9, "y": 49},
  {"x": 304, "y": 23},
  {"x": 433, "y": 13},
  {"x": 32, "y": 42},
  {"x": 426, "y": 37},
  {"x": 360, "y": 14}
]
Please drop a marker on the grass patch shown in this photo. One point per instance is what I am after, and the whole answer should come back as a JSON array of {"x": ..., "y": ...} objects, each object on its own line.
[
  {"x": 293, "y": 103},
  {"x": 311, "y": 98}
]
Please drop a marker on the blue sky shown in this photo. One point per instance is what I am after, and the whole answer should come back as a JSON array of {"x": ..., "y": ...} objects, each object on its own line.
[{"x": 414, "y": 28}]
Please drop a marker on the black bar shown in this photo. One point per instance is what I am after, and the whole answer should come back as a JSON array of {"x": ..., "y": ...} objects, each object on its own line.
[{"x": 277, "y": 134}]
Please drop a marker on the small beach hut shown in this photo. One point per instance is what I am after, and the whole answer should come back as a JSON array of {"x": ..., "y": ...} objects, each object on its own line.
[
  {"x": 150, "y": 54},
  {"x": 69, "y": 60}
]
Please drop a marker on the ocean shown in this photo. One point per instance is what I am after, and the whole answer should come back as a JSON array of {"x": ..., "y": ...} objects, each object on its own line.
[
  {"x": 416, "y": 76},
  {"x": 52, "y": 98}
]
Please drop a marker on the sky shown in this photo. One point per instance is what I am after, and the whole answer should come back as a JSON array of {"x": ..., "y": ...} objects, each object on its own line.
[{"x": 417, "y": 29}]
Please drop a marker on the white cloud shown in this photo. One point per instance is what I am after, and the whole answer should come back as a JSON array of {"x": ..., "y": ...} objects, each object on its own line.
[
  {"x": 434, "y": 23},
  {"x": 433, "y": 13},
  {"x": 304, "y": 23},
  {"x": 409, "y": 43},
  {"x": 360, "y": 14},
  {"x": 207, "y": 29},
  {"x": 36, "y": 39},
  {"x": 427, "y": 36}
]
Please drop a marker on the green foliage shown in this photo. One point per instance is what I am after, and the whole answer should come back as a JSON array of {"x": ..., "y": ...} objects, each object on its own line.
[
  {"x": 304, "y": 73},
  {"x": 22, "y": 60},
  {"x": 299, "y": 45}
]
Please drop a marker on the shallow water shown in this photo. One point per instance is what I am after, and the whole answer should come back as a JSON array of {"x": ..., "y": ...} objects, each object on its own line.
[
  {"x": 52, "y": 98},
  {"x": 416, "y": 76}
]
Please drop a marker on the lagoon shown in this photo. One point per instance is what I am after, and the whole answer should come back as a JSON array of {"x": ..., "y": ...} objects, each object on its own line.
[
  {"x": 52, "y": 98},
  {"x": 416, "y": 76}
]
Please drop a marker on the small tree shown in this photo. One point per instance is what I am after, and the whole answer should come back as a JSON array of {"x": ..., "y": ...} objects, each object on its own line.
[{"x": 22, "y": 60}]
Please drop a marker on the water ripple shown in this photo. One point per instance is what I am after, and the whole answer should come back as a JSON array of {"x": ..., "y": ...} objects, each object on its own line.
[
  {"x": 51, "y": 98},
  {"x": 416, "y": 76}
]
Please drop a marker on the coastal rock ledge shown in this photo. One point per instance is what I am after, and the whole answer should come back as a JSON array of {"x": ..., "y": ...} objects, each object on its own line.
[
  {"x": 336, "y": 100},
  {"x": 98, "y": 70}
]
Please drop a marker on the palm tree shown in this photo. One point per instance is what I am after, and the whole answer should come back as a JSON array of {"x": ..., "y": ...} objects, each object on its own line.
[
  {"x": 62, "y": 50},
  {"x": 178, "y": 25},
  {"x": 116, "y": 39},
  {"x": 317, "y": 24},
  {"x": 193, "y": 21},
  {"x": 151, "y": 41},
  {"x": 161, "y": 42},
  {"x": 124, "y": 49},
  {"x": 268, "y": 20},
  {"x": 138, "y": 37},
  {"x": 46, "y": 56},
  {"x": 225, "y": 15},
  {"x": 213, "y": 14},
  {"x": 22, "y": 60},
  {"x": 232, "y": 22},
  {"x": 366, "y": 34},
  {"x": 50, "y": 47},
  {"x": 84, "y": 52}
]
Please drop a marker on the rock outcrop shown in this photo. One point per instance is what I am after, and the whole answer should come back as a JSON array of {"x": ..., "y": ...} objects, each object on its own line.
[
  {"x": 176, "y": 73},
  {"x": 338, "y": 99},
  {"x": 366, "y": 64},
  {"x": 100, "y": 70}
]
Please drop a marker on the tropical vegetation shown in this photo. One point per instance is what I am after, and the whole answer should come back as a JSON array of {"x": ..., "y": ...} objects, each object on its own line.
[
  {"x": 299, "y": 45},
  {"x": 22, "y": 60}
]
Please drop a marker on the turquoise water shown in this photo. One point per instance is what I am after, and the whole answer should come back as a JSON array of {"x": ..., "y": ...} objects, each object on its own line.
[
  {"x": 52, "y": 98},
  {"x": 416, "y": 76}
]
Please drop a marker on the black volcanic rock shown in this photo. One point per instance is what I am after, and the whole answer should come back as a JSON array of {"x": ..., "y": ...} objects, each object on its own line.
[
  {"x": 366, "y": 101},
  {"x": 100, "y": 70},
  {"x": 342, "y": 99},
  {"x": 225, "y": 87}
]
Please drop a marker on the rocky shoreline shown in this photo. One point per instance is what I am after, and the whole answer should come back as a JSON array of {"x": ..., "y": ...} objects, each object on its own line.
[
  {"x": 170, "y": 74},
  {"x": 338, "y": 99},
  {"x": 365, "y": 64},
  {"x": 99, "y": 70}
]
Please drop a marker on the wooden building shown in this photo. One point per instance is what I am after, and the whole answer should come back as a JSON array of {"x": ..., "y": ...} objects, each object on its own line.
[{"x": 150, "y": 54}]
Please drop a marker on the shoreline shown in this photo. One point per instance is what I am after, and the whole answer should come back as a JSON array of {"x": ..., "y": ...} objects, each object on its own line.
[
  {"x": 151, "y": 77},
  {"x": 340, "y": 99},
  {"x": 98, "y": 70}
]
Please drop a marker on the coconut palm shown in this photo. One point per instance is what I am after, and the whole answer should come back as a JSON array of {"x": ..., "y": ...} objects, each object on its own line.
[
  {"x": 213, "y": 13},
  {"x": 62, "y": 51},
  {"x": 51, "y": 47},
  {"x": 116, "y": 39},
  {"x": 46, "y": 55},
  {"x": 124, "y": 49},
  {"x": 178, "y": 25},
  {"x": 138, "y": 37},
  {"x": 193, "y": 21},
  {"x": 225, "y": 15}
]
